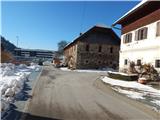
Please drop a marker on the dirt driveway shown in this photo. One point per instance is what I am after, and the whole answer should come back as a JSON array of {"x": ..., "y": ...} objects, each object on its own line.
[{"x": 80, "y": 96}]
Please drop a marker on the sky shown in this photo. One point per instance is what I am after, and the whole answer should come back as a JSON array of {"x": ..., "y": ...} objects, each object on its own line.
[{"x": 42, "y": 24}]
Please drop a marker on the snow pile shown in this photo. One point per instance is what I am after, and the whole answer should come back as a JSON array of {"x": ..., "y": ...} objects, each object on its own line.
[
  {"x": 65, "y": 69},
  {"x": 130, "y": 84},
  {"x": 131, "y": 94},
  {"x": 156, "y": 102},
  {"x": 34, "y": 67},
  {"x": 121, "y": 73},
  {"x": 88, "y": 70},
  {"x": 134, "y": 90},
  {"x": 12, "y": 81},
  {"x": 7, "y": 69}
]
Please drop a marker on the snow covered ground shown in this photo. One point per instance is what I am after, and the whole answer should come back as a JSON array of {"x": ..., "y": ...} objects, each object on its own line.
[
  {"x": 88, "y": 70},
  {"x": 12, "y": 79},
  {"x": 135, "y": 90}
]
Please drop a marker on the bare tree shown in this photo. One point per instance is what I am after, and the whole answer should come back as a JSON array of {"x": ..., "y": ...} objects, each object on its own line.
[{"x": 61, "y": 46}]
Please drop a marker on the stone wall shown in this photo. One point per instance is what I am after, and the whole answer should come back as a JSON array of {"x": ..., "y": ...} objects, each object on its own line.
[
  {"x": 95, "y": 59},
  {"x": 71, "y": 56}
]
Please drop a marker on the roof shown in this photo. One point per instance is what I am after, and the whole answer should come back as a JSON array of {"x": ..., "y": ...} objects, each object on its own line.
[
  {"x": 138, "y": 6},
  {"x": 94, "y": 28},
  {"x": 38, "y": 50}
]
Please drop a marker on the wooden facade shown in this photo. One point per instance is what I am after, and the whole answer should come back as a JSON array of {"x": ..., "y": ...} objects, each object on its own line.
[{"x": 147, "y": 13}]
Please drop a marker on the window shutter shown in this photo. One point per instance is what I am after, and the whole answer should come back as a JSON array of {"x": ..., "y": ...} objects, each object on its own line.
[
  {"x": 145, "y": 33},
  {"x": 124, "y": 37},
  {"x": 136, "y": 35},
  {"x": 158, "y": 29},
  {"x": 130, "y": 37},
  {"x": 127, "y": 38}
]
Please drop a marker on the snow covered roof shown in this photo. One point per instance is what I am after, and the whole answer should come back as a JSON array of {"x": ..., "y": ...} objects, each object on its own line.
[
  {"x": 143, "y": 2},
  {"x": 38, "y": 50}
]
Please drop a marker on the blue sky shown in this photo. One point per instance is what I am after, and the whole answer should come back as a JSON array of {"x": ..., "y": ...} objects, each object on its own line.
[{"x": 41, "y": 25}]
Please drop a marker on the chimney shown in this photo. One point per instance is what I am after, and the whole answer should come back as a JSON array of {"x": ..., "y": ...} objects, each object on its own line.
[{"x": 80, "y": 34}]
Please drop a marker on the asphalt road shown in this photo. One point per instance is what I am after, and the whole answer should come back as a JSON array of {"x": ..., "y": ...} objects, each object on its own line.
[{"x": 80, "y": 96}]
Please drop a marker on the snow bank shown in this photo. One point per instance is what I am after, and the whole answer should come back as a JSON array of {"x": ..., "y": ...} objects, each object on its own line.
[
  {"x": 131, "y": 94},
  {"x": 88, "y": 70},
  {"x": 156, "y": 102},
  {"x": 135, "y": 90},
  {"x": 12, "y": 81},
  {"x": 121, "y": 73},
  {"x": 130, "y": 84},
  {"x": 34, "y": 67}
]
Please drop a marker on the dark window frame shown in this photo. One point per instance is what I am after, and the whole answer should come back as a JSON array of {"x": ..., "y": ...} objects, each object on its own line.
[
  {"x": 100, "y": 48},
  {"x": 87, "y": 47},
  {"x": 157, "y": 63},
  {"x": 111, "y": 49},
  {"x": 139, "y": 62},
  {"x": 99, "y": 62},
  {"x": 127, "y": 38},
  {"x": 141, "y": 34},
  {"x": 125, "y": 61},
  {"x": 86, "y": 61},
  {"x": 32, "y": 53}
]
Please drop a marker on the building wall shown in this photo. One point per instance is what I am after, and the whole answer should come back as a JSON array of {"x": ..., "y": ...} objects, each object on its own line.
[
  {"x": 95, "y": 59},
  {"x": 148, "y": 50},
  {"x": 33, "y": 53},
  {"x": 70, "y": 54}
]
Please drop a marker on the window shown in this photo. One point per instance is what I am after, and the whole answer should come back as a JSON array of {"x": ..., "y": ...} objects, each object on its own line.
[
  {"x": 99, "y": 62},
  {"x": 86, "y": 61},
  {"x": 125, "y": 62},
  {"x": 158, "y": 29},
  {"x": 87, "y": 47},
  {"x": 100, "y": 48},
  {"x": 138, "y": 62},
  {"x": 111, "y": 49},
  {"x": 141, "y": 34},
  {"x": 32, "y": 53},
  {"x": 18, "y": 53},
  {"x": 127, "y": 38},
  {"x": 157, "y": 63}
]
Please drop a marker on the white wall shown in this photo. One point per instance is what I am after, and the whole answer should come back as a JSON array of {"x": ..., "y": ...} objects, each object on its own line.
[{"x": 148, "y": 50}]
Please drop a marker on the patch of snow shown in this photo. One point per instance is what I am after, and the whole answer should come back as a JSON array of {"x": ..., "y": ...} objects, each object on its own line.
[
  {"x": 135, "y": 90},
  {"x": 130, "y": 84},
  {"x": 88, "y": 70},
  {"x": 12, "y": 81},
  {"x": 120, "y": 73},
  {"x": 157, "y": 102},
  {"x": 131, "y": 94},
  {"x": 65, "y": 69},
  {"x": 142, "y": 78}
]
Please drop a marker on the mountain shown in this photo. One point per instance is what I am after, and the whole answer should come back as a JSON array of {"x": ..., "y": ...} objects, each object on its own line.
[{"x": 8, "y": 46}]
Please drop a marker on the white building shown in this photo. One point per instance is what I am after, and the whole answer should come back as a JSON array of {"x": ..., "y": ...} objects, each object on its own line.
[{"x": 140, "y": 38}]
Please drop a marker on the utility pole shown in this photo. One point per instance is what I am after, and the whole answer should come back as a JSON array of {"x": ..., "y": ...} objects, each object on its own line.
[{"x": 17, "y": 40}]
